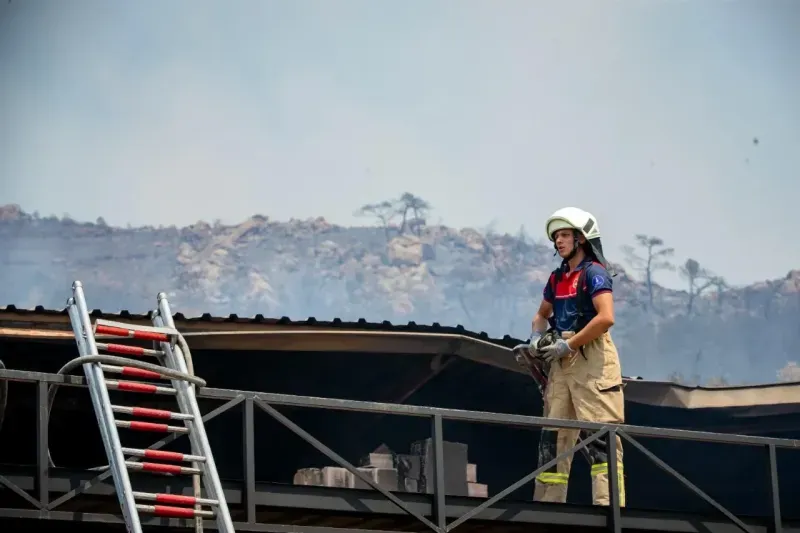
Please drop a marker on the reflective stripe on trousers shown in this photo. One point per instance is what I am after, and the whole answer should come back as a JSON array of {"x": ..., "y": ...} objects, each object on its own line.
[{"x": 554, "y": 478}]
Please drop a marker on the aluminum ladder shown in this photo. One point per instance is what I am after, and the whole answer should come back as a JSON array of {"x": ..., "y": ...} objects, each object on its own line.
[{"x": 171, "y": 357}]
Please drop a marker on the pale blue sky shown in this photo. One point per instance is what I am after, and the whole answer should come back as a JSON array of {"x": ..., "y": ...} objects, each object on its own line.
[{"x": 644, "y": 112}]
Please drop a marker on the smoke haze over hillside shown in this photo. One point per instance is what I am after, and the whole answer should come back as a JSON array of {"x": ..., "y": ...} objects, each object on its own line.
[{"x": 398, "y": 272}]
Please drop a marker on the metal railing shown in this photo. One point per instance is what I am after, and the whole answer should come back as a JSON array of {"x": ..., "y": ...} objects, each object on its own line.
[{"x": 438, "y": 518}]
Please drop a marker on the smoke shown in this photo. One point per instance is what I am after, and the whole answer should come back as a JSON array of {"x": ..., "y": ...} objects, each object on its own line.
[{"x": 302, "y": 269}]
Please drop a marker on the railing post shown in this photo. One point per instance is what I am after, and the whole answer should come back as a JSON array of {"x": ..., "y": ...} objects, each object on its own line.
[
  {"x": 439, "y": 493},
  {"x": 42, "y": 446},
  {"x": 614, "y": 522},
  {"x": 249, "y": 463},
  {"x": 774, "y": 490}
]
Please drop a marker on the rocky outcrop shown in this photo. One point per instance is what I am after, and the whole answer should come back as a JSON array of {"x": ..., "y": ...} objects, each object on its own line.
[{"x": 302, "y": 268}]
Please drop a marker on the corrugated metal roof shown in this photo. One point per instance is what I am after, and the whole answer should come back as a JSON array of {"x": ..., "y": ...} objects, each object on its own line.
[
  {"x": 663, "y": 394},
  {"x": 361, "y": 324}
]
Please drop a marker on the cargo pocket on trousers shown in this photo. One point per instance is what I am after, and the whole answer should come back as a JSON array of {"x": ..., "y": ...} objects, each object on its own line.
[
  {"x": 610, "y": 405},
  {"x": 608, "y": 385}
]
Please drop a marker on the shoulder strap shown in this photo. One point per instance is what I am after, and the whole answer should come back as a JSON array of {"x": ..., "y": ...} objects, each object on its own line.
[
  {"x": 582, "y": 300},
  {"x": 554, "y": 279},
  {"x": 583, "y": 287}
]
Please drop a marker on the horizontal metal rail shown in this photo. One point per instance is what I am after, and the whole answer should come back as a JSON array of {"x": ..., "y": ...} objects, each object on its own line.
[
  {"x": 503, "y": 419},
  {"x": 267, "y": 401}
]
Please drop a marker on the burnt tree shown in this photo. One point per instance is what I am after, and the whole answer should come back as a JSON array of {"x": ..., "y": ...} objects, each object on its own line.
[
  {"x": 653, "y": 259},
  {"x": 698, "y": 278}
]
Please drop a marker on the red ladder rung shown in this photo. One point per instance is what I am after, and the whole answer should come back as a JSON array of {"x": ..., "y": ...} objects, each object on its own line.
[
  {"x": 174, "y": 499},
  {"x": 124, "y": 349},
  {"x": 133, "y": 372},
  {"x": 173, "y": 512},
  {"x": 102, "y": 329},
  {"x": 136, "y": 386},
  {"x": 161, "y": 468},
  {"x": 146, "y": 412},
  {"x": 163, "y": 455},
  {"x": 150, "y": 426}
]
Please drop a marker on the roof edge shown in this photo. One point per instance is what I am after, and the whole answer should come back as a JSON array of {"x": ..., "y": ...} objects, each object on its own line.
[{"x": 283, "y": 338}]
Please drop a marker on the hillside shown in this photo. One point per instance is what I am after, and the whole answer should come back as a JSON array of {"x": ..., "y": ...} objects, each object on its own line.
[{"x": 399, "y": 271}]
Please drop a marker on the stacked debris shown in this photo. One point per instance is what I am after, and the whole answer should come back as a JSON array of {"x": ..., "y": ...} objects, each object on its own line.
[{"x": 412, "y": 472}]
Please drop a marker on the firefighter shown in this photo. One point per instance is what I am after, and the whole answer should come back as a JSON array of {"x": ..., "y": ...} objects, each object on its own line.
[{"x": 585, "y": 379}]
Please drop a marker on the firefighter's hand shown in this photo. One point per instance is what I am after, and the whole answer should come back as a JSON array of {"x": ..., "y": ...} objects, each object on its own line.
[
  {"x": 521, "y": 350},
  {"x": 533, "y": 343},
  {"x": 559, "y": 349},
  {"x": 531, "y": 347},
  {"x": 523, "y": 355}
]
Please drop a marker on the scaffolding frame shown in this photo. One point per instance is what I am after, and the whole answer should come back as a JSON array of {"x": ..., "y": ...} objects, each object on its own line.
[{"x": 433, "y": 510}]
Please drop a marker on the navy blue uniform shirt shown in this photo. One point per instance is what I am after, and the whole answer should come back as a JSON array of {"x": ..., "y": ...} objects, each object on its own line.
[{"x": 564, "y": 295}]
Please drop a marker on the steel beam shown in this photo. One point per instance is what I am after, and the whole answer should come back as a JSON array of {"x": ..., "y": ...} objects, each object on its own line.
[
  {"x": 345, "y": 502},
  {"x": 249, "y": 495},
  {"x": 482, "y": 417},
  {"x": 774, "y": 491}
]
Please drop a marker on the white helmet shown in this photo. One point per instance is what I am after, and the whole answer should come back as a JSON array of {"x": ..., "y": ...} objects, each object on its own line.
[
  {"x": 582, "y": 221},
  {"x": 573, "y": 218}
]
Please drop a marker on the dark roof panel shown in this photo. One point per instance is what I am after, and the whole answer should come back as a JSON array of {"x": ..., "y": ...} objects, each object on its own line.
[{"x": 360, "y": 324}]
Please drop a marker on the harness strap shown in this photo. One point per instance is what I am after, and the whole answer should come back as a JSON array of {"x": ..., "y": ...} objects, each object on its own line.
[{"x": 582, "y": 300}]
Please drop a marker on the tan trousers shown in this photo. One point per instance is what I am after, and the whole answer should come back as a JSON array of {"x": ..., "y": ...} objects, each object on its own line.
[{"x": 582, "y": 388}]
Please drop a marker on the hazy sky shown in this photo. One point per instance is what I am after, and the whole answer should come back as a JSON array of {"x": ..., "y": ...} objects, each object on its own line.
[{"x": 644, "y": 112}]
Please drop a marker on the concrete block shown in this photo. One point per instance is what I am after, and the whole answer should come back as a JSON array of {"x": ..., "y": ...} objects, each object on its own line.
[
  {"x": 308, "y": 476},
  {"x": 386, "y": 478},
  {"x": 478, "y": 490},
  {"x": 408, "y": 466},
  {"x": 378, "y": 460},
  {"x": 408, "y": 471},
  {"x": 472, "y": 473},
  {"x": 335, "y": 476},
  {"x": 455, "y": 467}
]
